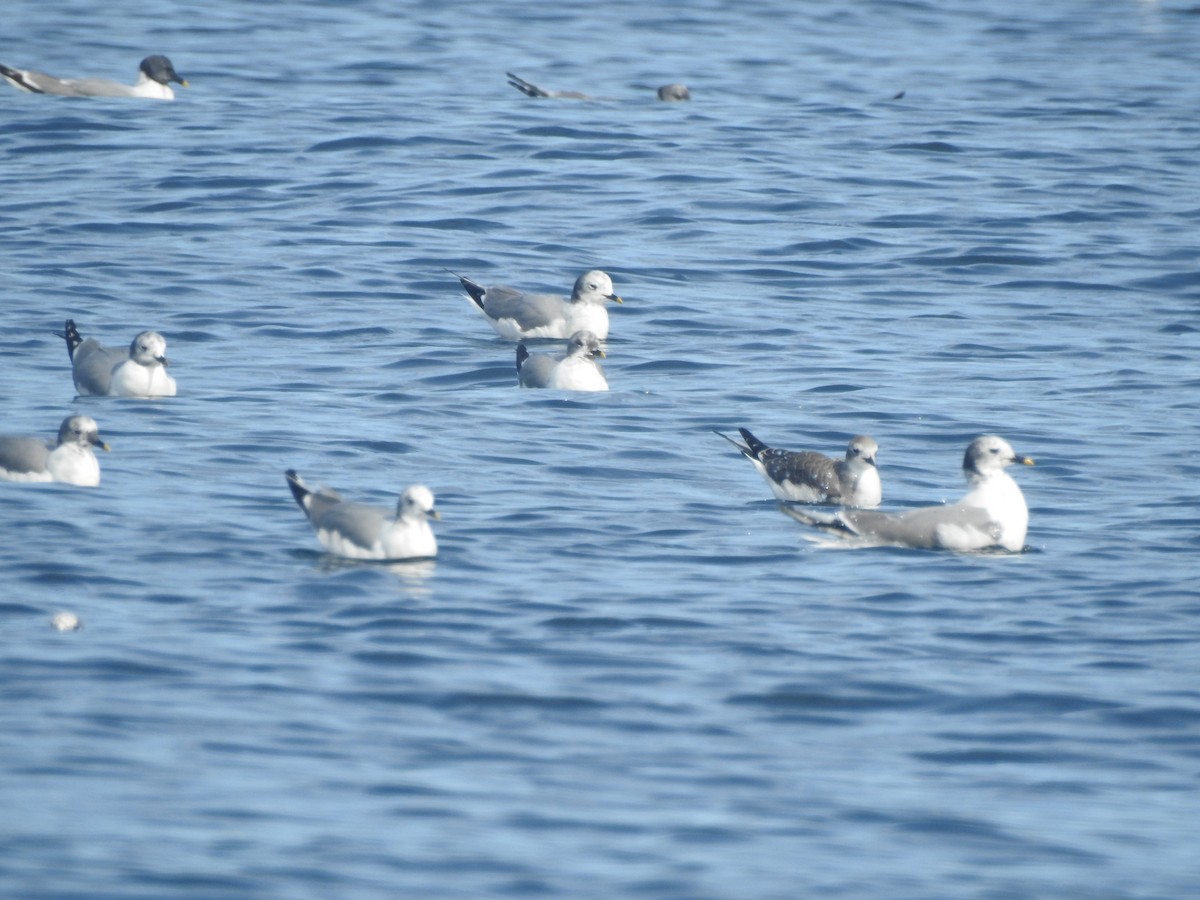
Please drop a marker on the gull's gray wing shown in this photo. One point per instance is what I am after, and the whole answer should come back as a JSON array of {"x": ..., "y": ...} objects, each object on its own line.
[
  {"x": 359, "y": 524},
  {"x": 23, "y": 455},
  {"x": 950, "y": 527},
  {"x": 92, "y": 366},
  {"x": 90, "y": 87},
  {"x": 532, "y": 90},
  {"x": 527, "y": 310},
  {"x": 534, "y": 371},
  {"x": 804, "y": 467},
  {"x": 41, "y": 83}
]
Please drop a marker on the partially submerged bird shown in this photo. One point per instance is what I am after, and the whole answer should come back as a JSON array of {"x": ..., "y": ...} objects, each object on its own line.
[
  {"x": 366, "y": 532},
  {"x": 99, "y": 371},
  {"x": 668, "y": 92},
  {"x": 532, "y": 90},
  {"x": 674, "y": 92},
  {"x": 68, "y": 459},
  {"x": 806, "y": 476},
  {"x": 519, "y": 316},
  {"x": 155, "y": 74},
  {"x": 575, "y": 369},
  {"x": 991, "y": 514}
]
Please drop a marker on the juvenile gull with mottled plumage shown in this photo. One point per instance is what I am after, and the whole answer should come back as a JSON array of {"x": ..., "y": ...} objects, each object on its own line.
[{"x": 806, "y": 476}]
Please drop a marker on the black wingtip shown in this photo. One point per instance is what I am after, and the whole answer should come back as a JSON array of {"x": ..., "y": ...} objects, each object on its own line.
[
  {"x": 756, "y": 446},
  {"x": 17, "y": 77},
  {"x": 299, "y": 491},
  {"x": 522, "y": 355},
  {"x": 71, "y": 336},
  {"x": 474, "y": 291}
]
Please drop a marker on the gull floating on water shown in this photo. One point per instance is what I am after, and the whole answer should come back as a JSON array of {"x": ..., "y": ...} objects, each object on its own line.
[
  {"x": 366, "y": 532},
  {"x": 575, "y": 369},
  {"x": 155, "y": 74},
  {"x": 671, "y": 93},
  {"x": 668, "y": 92},
  {"x": 806, "y": 476},
  {"x": 991, "y": 514},
  {"x": 518, "y": 316},
  {"x": 68, "y": 459},
  {"x": 140, "y": 372}
]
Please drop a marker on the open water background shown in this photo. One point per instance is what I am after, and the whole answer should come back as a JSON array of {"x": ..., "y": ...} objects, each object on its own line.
[{"x": 626, "y": 674}]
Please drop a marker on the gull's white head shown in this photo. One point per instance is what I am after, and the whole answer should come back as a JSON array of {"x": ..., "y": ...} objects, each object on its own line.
[
  {"x": 585, "y": 344},
  {"x": 593, "y": 287},
  {"x": 416, "y": 503},
  {"x": 990, "y": 453},
  {"x": 862, "y": 447},
  {"x": 149, "y": 348},
  {"x": 80, "y": 430}
]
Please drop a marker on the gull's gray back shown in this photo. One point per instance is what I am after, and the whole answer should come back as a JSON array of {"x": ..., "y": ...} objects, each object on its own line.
[
  {"x": 360, "y": 524},
  {"x": 528, "y": 310},
  {"x": 23, "y": 454},
  {"x": 92, "y": 366},
  {"x": 536, "y": 370}
]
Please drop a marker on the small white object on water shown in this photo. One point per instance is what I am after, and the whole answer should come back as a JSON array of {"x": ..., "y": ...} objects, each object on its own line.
[{"x": 66, "y": 621}]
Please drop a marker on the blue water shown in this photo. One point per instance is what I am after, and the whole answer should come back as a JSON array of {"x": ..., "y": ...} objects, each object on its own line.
[{"x": 627, "y": 674}]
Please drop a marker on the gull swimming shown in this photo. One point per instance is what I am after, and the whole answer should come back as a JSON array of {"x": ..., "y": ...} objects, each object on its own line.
[
  {"x": 675, "y": 92},
  {"x": 101, "y": 372},
  {"x": 806, "y": 476},
  {"x": 668, "y": 92},
  {"x": 532, "y": 90},
  {"x": 155, "y": 74},
  {"x": 356, "y": 531},
  {"x": 575, "y": 369},
  {"x": 991, "y": 514},
  {"x": 69, "y": 459},
  {"x": 518, "y": 316}
]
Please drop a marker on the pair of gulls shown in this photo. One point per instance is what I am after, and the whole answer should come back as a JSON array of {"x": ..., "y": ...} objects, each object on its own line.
[
  {"x": 991, "y": 514},
  {"x": 155, "y": 74},
  {"x": 581, "y": 319},
  {"x": 357, "y": 531},
  {"x": 97, "y": 371}
]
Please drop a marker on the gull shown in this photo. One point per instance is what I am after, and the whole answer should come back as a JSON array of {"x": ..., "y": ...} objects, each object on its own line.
[
  {"x": 140, "y": 372},
  {"x": 575, "y": 369},
  {"x": 68, "y": 459},
  {"x": 991, "y": 514},
  {"x": 532, "y": 90},
  {"x": 155, "y": 74},
  {"x": 810, "y": 477},
  {"x": 674, "y": 92},
  {"x": 518, "y": 316},
  {"x": 668, "y": 92},
  {"x": 366, "y": 532}
]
